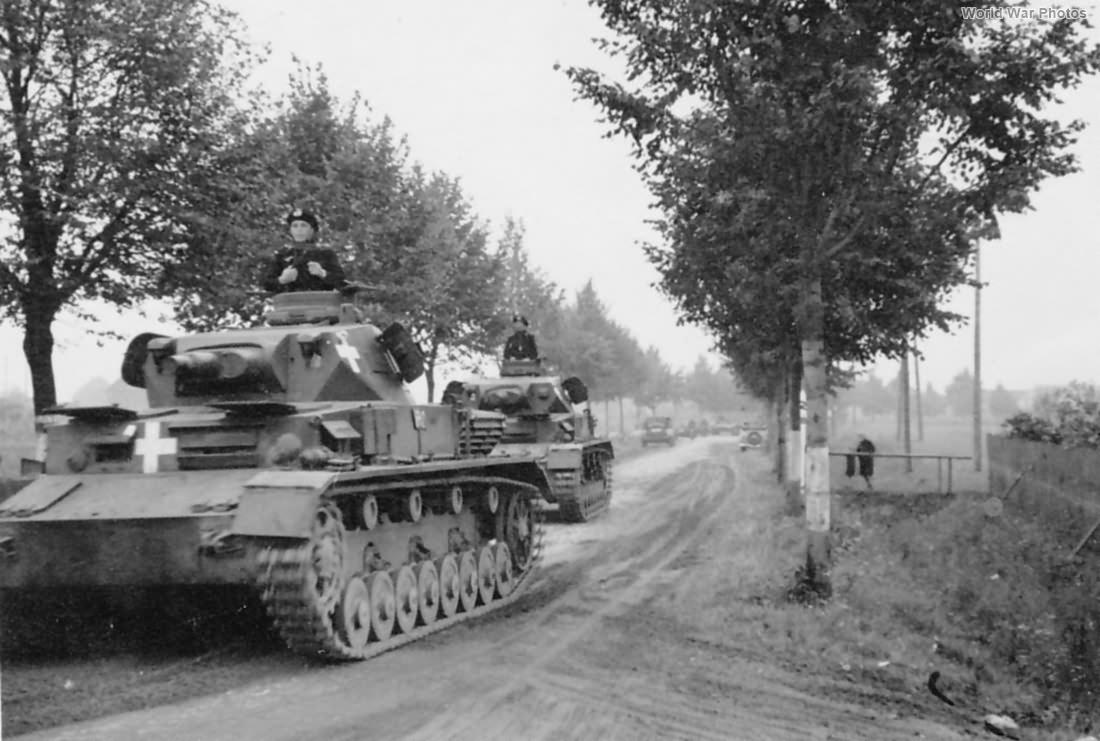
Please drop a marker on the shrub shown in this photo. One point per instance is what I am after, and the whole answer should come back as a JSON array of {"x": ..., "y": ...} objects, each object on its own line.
[{"x": 1069, "y": 416}]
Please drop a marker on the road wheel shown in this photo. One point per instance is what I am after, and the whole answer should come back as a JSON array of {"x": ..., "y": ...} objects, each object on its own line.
[
  {"x": 467, "y": 580},
  {"x": 502, "y": 560},
  {"x": 427, "y": 587},
  {"x": 405, "y": 594},
  {"x": 486, "y": 575},
  {"x": 450, "y": 586},
  {"x": 383, "y": 605},
  {"x": 353, "y": 614}
]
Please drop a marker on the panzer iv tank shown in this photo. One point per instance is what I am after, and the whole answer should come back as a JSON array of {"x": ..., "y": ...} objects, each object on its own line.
[
  {"x": 545, "y": 422},
  {"x": 288, "y": 460}
]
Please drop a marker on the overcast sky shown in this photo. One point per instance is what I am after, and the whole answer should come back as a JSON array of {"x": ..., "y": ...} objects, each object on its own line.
[{"x": 473, "y": 87}]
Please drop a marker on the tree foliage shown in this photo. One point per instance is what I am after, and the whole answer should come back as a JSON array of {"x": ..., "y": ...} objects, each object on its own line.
[
  {"x": 113, "y": 117},
  {"x": 1068, "y": 415},
  {"x": 959, "y": 394},
  {"x": 800, "y": 156},
  {"x": 1002, "y": 404}
]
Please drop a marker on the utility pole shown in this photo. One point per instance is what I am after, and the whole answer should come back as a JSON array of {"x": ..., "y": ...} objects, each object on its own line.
[
  {"x": 920, "y": 403},
  {"x": 903, "y": 391},
  {"x": 977, "y": 356},
  {"x": 513, "y": 288}
]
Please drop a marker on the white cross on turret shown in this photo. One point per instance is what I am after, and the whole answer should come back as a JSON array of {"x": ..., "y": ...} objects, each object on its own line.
[
  {"x": 347, "y": 351},
  {"x": 152, "y": 446}
]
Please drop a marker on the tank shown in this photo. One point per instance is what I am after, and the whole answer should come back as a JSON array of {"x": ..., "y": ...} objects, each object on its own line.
[
  {"x": 287, "y": 460},
  {"x": 545, "y": 423}
]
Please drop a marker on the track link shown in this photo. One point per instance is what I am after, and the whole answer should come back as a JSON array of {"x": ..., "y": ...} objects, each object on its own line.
[{"x": 307, "y": 625}]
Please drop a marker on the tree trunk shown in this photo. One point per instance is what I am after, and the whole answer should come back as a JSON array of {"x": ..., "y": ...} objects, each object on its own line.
[
  {"x": 818, "y": 499},
  {"x": 38, "y": 349},
  {"x": 429, "y": 376},
  {"x": 916, "y": 388},
  {"x": 622, "y": 419},
  {"x": 779, "y": 423},
  {"x": 906, "y": 426},
  {"x": 794, "y": 433},
  {"x": 977, "y": 358}
]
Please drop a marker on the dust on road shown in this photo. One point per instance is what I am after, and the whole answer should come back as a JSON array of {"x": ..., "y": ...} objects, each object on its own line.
[{"x": 614, "y": 640}]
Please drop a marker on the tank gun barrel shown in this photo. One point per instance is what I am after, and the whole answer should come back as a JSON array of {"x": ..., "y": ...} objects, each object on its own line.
[
  {"x": 230, "y": 363},
  {"x": 193, "y": 364}
]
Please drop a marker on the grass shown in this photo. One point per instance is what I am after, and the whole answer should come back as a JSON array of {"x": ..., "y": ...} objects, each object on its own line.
[{"x": 924, "y": 582}]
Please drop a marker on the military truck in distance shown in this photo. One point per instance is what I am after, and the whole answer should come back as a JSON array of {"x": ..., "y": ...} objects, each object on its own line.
[
  {"x": 287, "y": 459},
  {"x": 658, "y": 430},
  {"x": 544, "y": 423}
]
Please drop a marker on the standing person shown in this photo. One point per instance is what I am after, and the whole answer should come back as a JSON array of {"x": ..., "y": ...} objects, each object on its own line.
[
  {"x": 866, "y": 449},
  {"x": 303, "y": 266},
  {"x": 521, "y": 345}
]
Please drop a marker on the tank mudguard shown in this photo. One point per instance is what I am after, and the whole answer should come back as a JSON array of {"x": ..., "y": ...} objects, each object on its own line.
[{"x": 280, "y": 504}]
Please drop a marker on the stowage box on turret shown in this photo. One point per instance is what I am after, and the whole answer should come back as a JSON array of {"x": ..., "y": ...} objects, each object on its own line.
[{"x": 288, "y": 459}]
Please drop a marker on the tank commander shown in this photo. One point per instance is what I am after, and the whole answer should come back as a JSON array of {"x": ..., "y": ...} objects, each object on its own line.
[
  {"x": 521, "y": 345},
  {"x": 303, "y": 266}
]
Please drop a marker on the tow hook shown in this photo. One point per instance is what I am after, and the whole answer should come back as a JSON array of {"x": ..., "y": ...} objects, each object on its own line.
[{"x": 219, "y": 543}]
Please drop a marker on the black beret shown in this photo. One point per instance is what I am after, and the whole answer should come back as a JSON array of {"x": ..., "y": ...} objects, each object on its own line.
[{"x": 302, "y": 215}]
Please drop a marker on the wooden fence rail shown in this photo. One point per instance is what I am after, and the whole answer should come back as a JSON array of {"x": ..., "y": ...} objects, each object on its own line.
[{"x": 938, "y": 457}]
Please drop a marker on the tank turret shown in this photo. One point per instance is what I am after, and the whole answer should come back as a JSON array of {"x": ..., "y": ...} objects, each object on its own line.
[{"x": 329, "y": 359}]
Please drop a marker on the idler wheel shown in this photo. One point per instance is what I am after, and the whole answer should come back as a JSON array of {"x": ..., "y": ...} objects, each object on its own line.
[
  {"x": 456, "y": 500},
  {"x": 502, "y": 561},
  {"x": 414, "y": 506},
  {"x": 353, "y": 614},
  {"x": 383, "y": 605},
  {"x": 369, "y": 512},
  {"x": 427, "y": 587},
  {"x": 450, "y": 586},
  {"x": 486, "y": 575},
  {"x": 404, "y": 587},
  {"x": 467, "y": 580},
  {"x": 492, "y": 500}
]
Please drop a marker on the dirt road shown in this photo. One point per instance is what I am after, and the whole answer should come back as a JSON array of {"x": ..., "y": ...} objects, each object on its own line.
[{"x": 614, "y": 640}]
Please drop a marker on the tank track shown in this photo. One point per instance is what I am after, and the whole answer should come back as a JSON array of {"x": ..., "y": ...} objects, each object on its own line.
[
  {"x": 588, "y": 499},
  {"x": 309, "y": 630}
]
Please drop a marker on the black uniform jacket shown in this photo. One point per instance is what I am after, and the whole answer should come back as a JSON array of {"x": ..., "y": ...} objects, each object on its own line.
[
  {"x": 521, "y": 346},
  {"x": 866, "y": 462},
  {"x": 299, "y": 259}
]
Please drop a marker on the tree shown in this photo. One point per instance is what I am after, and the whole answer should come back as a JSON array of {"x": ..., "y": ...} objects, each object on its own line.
[
  {"x": 532, "y": 294},
  {"x": 1002, "y": 404},
  {"x": 803, "y": 150},
  {"x": 934, "y": 402},
  {"x": 113, "y": 116},
  {"x": 452, "y": 287},
  {"x": 658, "y": 382},
  {"x": 959, "y": 394},
  {"x": 595, "y": 347},
  {"x": 311, "y": 151}
]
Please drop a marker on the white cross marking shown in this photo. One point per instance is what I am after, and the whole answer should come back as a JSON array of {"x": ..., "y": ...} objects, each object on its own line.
[
  {"x": 152, "y": 446},
  {"x": 347, "y": 351}
]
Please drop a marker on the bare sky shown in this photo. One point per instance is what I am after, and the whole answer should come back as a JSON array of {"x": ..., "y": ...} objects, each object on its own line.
[{"x": 473, "y": 86}]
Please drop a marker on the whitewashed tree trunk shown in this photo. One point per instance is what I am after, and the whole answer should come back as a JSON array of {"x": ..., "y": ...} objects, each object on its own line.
[{"x": 818, "y": 495}]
